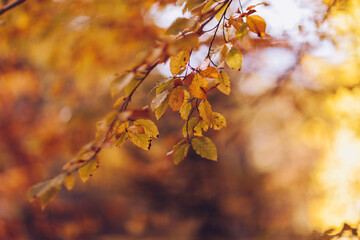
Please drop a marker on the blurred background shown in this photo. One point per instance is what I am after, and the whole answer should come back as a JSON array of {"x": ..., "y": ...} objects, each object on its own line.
[{"x": 288, "y": 158}]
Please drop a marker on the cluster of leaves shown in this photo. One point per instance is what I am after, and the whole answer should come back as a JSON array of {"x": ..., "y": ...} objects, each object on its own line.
[{"x": 185, "y": 92}]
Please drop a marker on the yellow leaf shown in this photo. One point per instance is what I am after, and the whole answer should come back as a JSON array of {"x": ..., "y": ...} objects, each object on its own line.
[
  {"x": 120, "y": 141},
  {"x": 198, "y": 86},
  {"x": 69, "y": 181},
  {"x": 205, "y": 111},
  {"x": 118, "y": 102},
  {"x": 257, "y": 25},
  {"x": 207, "y": 6},
  {"x": 48, "y": 195},
  {"x": 163, "y": 86},
  {"x": 149, "y": 127},
  {"x": 189, "y": 126},
  {"x": 162, "y": 108},
  {"x": 119, "y": 83},
  {"x": 178, "y": 62},
  {"x": 136, "y": 129},
  {"x": 122, "y": 128},
  {"x": 218, "y": 121},
  {"x": 240, "y": 33},
  {"x": 185, "y": 110},
  {"x": 200, "y": 126},
  {"x": 191, "y": 4},
  {"x": 181, "y": 153},
  {"x": 210, "y": 72},
  {"x": 234, "y": 59},
  {"x": 88, "y": 169},
  {"x": 224, "y": 83},
  {"x": 221, "y": 12},
  {"x": 204, "y": 147},
  {"x": 141, "y": 140},
  {"x": 176, "y": 99}
]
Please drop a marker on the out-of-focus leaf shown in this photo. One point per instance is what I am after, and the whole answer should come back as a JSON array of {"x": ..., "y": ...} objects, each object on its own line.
[
  {"x": 176, "y": 98},
  {"x": 179, "y": 25},
  {"x": 218, "y": 121},
  {"x": 119, "y": 83},
  {"x": 257, "y": 25},
  {"x": 159, "y": 99},
  {"x": 136, "y": 129},
  {"x": 178, "y": 62},
  {"x": 191, "y": 4},
  {"x": 118, "y": 102},
  {"x": 69, "y": 181},
  {"x": 148, "y": 126},
  {"x": 88, "y": 169},
  {"x": 219, "y": 15},
  {"x": 205, "y": 111},
  {"x": 224, "y": 83},
  {"x": 240, "y": 33},
  {"x": 198, "y": 86},
  {"x": 234, "y": 59},
  {"x": 181, "y": 153},
  {"x": 207, "y": 6},
  {"x": 141, "y": 140},
  {"x": 204, "y": 147}
]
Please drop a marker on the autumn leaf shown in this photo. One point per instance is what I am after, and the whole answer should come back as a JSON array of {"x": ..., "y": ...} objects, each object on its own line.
[
  {"x": 119, "y": 83},
  {"x": 149, "y": 127},
  {"x": 185, "y": 110},
  {"x": 88, "y": 169},
  {"x": 224, "y": 83},
  {"x": 234, "y": 59},
  {"x": 198, "y": 86},
  {"x": 191, "y": 4},
  {"x": 218, "y": 121},
  {"x": 160, "y": 110},
  {"x": 179, "y": 25},
  {"x": 257, "y": 25},
  {"x": 188, "y": 79},
  {"x": 181, "y": 153},
  {"x": 219, "y": 15},
  {"x": 204, "y": 147},
  {"x": 121, "y": 139},
  {"x": 141, "y": 140},
  {"x": 188, "y": 126},
  {"x": 178, "y": 62},
  {"x": 210, "y": 72},
  {"x": 200, "y": 127},
  {"x": 69, "y": 182},
  {"x": 159, "y": 99},
  {"x": 165, "y": 85},
  {"x": 205, "y": 111},
  {"x": 176, "y": 98}
]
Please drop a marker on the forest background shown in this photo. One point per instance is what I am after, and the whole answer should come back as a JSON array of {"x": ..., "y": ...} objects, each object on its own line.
[{"x": 287, "y": 160}]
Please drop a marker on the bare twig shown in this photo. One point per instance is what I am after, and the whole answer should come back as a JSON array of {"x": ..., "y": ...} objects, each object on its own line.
[{"x": 10, "y": 6}]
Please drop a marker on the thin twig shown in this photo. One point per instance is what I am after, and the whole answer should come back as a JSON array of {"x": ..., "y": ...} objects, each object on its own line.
[{"x": 10, "y": 6}]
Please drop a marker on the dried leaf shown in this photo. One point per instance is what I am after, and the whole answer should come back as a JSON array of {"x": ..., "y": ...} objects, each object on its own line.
[
  {"x": 224, "y": 83},
  {"x": 176, "y": 99},
  {"x": 141, "y": 140},
  {"x": 205, "y": 111},
  {"x": 178, "y": 62},
  {"x": 218, "y": 121},
  {"x": 234, "y": 59},
  {"x": 204, "y": 147},
  {"x": 198, "y": 86},
  {"x": 149, "y": 127},
  {"x": 257, "y": 25},
  {"x": 69, "y": 182},
  {"x": 88, "y": 169}
]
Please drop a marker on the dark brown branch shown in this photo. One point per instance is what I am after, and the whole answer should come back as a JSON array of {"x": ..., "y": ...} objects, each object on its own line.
[{"x": 10, "y": 6}]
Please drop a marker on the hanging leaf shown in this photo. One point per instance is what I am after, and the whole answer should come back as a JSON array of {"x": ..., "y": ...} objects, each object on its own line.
[
  {"x": 189, "y": 126},
  {"x": 149, "y": 127},
  {"x": 191, "y": 4},
  {"x": 159, "y": 111},
  {"x": 178, "y": 62},
  {"x": 218, "y": 121},
  {"x": 88, "y": 169},
  {"x": 159, "y": 99},
  {"x": 165, "y": 85},
  {"x": 205, "y": 111},
  {"x": 210, "y": 72},
  {"x": 204, "y": 147},
  {"x": 122, "y": 128},
  {"x": 234, "y": 59},
  {"x": 141, "y": 140},
  {"x": 224, "y": 83},
  {"x": 176, "y": 99},
  {"x": 122, "y": 138},
  {"x": 69, "y": 182},
  {"x": 257, "y": 25},
  {"x": 179, "y": 25},
  {"x": 188, "y": 79},
  {"x": 185, "y": 110},
  {"x": 198, "y": 86},
  {"x": 208, "y": 6},
  {"x": 240, "y": 33},
  {"x": 219, "y": 15},
  {"x": 181, "y": 153},
  {"x": 200, "y": 127},
  {"x": 119, "y": 83},
  {"x": 48, "y": 195}
]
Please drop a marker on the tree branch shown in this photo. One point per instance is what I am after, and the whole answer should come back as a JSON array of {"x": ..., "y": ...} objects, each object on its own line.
[{"x": 10, "y": 6}]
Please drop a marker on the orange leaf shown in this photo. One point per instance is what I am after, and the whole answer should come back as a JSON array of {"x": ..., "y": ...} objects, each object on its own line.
[
  {"x": 176, "y": 98},
  {"x": 210, "y": 72},
  {"x": 188, "y": 79},
  {"x": 198, "y": 87},
  {"x": 257, "y": 25}
]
